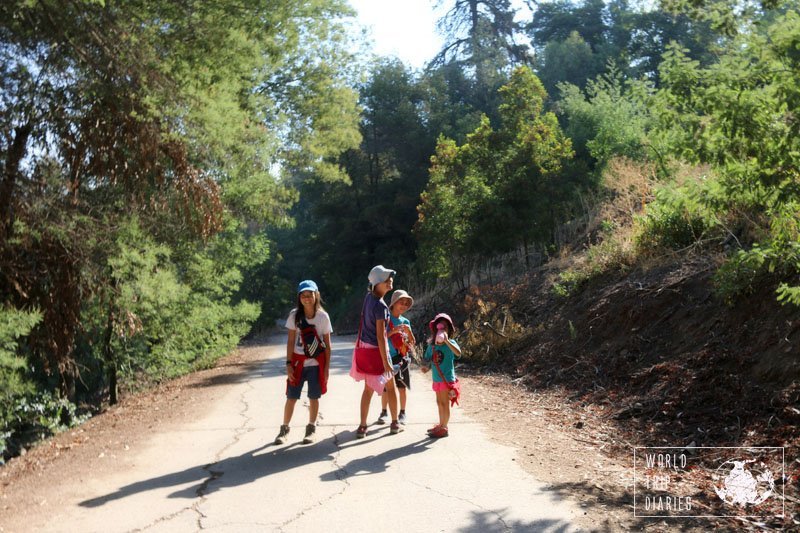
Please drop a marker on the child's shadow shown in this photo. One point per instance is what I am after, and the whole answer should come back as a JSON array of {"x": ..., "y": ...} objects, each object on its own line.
[
  {"x": 202, "y": 480},
  {"x": 375, "y": 464}
]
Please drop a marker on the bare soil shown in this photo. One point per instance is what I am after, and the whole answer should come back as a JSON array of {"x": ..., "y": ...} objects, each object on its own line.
[{"x": 644, "y": 358}]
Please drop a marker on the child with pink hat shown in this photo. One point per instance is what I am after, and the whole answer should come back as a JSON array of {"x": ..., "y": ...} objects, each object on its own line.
[{"x": 441, "y": 352}]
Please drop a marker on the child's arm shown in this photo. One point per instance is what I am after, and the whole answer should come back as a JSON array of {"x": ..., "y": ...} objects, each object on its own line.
[
  {"x": 289, "y": 354},
  {"x": 327, "y": 340},
  {"x": 383, "y": 346},
  {"x": 453, "y": 346},
  {"x": 428, "y": 355}
]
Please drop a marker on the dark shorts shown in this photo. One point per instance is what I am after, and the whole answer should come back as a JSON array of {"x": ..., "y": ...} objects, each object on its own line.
[
  {"x": 311, "y": 376},
  {"x": 403, "y": 378}
]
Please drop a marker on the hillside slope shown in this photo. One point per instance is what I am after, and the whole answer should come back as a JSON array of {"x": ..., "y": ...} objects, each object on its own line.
[{"x": 654, "y": 353}]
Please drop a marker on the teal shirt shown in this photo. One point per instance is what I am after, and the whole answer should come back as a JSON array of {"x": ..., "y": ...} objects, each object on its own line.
[
  {"x": 397, "y": 322},
  {"x": 447, "y": 365}
]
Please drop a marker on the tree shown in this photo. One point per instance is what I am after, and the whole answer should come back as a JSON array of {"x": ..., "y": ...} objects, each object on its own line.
[
  {"x": 343, "y": 228},
  {"x": 610, "y": 118},
  {"x": 556, "y": 21},
  {"x": 479, "y": 31},
  {"x": 168, "y": 117},
  {"x": 501, "y": 188},
  {"x": 480, "y": 39},
  {"x": 737, "y": 116},
  {"x": 576, "y": 42},
  {"x": 570, "y": 61}
]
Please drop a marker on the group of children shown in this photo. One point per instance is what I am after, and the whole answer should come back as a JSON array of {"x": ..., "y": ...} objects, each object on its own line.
[{"x": 384, "y": 350}]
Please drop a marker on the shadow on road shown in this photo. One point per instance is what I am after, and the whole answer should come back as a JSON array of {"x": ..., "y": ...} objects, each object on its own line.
[
  {"x": 261, "y": 462},
  {"x": 489, "y": 521},
  {"x": 374, "y": 464}
]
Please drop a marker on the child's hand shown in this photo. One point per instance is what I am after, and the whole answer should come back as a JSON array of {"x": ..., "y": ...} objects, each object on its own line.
[{"x": 424, "y": 369}]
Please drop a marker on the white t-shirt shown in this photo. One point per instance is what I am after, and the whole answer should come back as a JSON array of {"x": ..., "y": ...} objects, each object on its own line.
[{"x": 321, "y": 321}]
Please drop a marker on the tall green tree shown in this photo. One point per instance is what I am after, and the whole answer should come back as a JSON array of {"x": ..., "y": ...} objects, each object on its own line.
[
  {"x": 170, "y": 118},
  {"x": 609, "y": 118},
  {"x": 737, "y": 115},
  {"x": 343, "y": 228},
  {"x": 481, "y": 41},
  {"x": 501, "y": 188},
  {"x": 576, "y": 42},
  {"x": 569, "y": 61},
  {"x": 478, "y": 32}
]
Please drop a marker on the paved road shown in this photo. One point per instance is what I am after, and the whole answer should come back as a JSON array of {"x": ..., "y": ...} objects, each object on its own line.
[{"x": 221, "y": 473}]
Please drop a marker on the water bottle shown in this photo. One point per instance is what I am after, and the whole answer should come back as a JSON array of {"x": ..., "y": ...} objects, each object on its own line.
[{"x": 441, "y": 334}]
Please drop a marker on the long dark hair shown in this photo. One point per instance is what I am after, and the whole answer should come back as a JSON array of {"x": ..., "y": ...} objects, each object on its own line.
[{"x": 299, "y": 312}]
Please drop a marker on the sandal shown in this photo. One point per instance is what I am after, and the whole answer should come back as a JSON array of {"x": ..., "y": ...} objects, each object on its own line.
[{"x": 361, "y": 432}]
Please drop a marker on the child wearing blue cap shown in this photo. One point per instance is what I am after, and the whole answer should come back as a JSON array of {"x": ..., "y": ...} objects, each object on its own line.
[{"x": 308, "y": 357}]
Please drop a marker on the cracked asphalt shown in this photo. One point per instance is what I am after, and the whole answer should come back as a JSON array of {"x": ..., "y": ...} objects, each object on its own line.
[{"x": 219, "y": 471}]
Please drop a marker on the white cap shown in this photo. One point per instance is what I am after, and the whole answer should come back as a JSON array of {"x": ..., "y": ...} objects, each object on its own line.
[
  {"x": 400, "y": 293},
  {"x": 379, "y": 274}
]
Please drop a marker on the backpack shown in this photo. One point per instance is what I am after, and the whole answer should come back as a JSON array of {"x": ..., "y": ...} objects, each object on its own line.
[{"x": 313, "y": 345}]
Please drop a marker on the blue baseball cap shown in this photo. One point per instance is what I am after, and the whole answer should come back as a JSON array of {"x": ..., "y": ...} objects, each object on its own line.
[{"x": 307, "y": 285}]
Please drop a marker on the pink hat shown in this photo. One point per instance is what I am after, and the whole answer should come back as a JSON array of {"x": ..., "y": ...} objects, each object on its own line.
[{"x": 439, "y": 317}]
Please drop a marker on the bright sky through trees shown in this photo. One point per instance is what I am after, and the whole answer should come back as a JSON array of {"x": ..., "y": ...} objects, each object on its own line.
[
  {"x": 405, "y": 28},
  {"x": 402, "y": 28}
]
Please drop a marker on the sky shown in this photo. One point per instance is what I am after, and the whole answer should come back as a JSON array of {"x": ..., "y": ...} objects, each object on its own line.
[{"x": 404, "y": 28}]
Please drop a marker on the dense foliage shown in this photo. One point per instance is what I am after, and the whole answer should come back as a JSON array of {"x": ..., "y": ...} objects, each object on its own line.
[
  {"x": 500, "y": 189},
  {"x": 141, "y": 144}
]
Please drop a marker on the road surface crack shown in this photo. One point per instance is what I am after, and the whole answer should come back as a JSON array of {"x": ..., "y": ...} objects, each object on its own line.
[
  {"x": 506, "y": 527},
  {"x": 341, "y": 474}
]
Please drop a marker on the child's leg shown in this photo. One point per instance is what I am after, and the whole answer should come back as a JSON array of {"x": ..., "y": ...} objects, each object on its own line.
[
  {"x": 443, "y": 403},
  {"x": 366, "y": 396},
  {"x": 288, "y": 410},
  {"x": 402, "y": 398},
  {"x": 384, "y": 400},
  {"x": 313, "y": 410},
  {"x": 391, "y": 392},
  {"x": 314, "y": 393}
]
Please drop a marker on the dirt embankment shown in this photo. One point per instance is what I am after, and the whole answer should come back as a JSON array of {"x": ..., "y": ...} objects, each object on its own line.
[{"x": 656, "y": 355}]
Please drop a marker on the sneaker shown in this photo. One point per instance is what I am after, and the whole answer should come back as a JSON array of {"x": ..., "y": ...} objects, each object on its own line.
[
  {"x": 438, "y": 432},
  {"x": 402, "y": 418},
  {"x": 395, "y": 428},
  {"x": 281, "y": 438},
  {"x": 311, "y": 436},
  {"x": 434, "y": 428},
  {"x": 361, "y": 432},
  {"x": 382, "y": 417}
]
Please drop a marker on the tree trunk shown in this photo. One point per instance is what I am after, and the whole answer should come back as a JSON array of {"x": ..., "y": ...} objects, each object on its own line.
[
  {"x": 16, "y": 152},
  {"x": 475, "y": 41},
  {"x": 527, "y": 258},
  {"x": 108, "y": 353}
]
